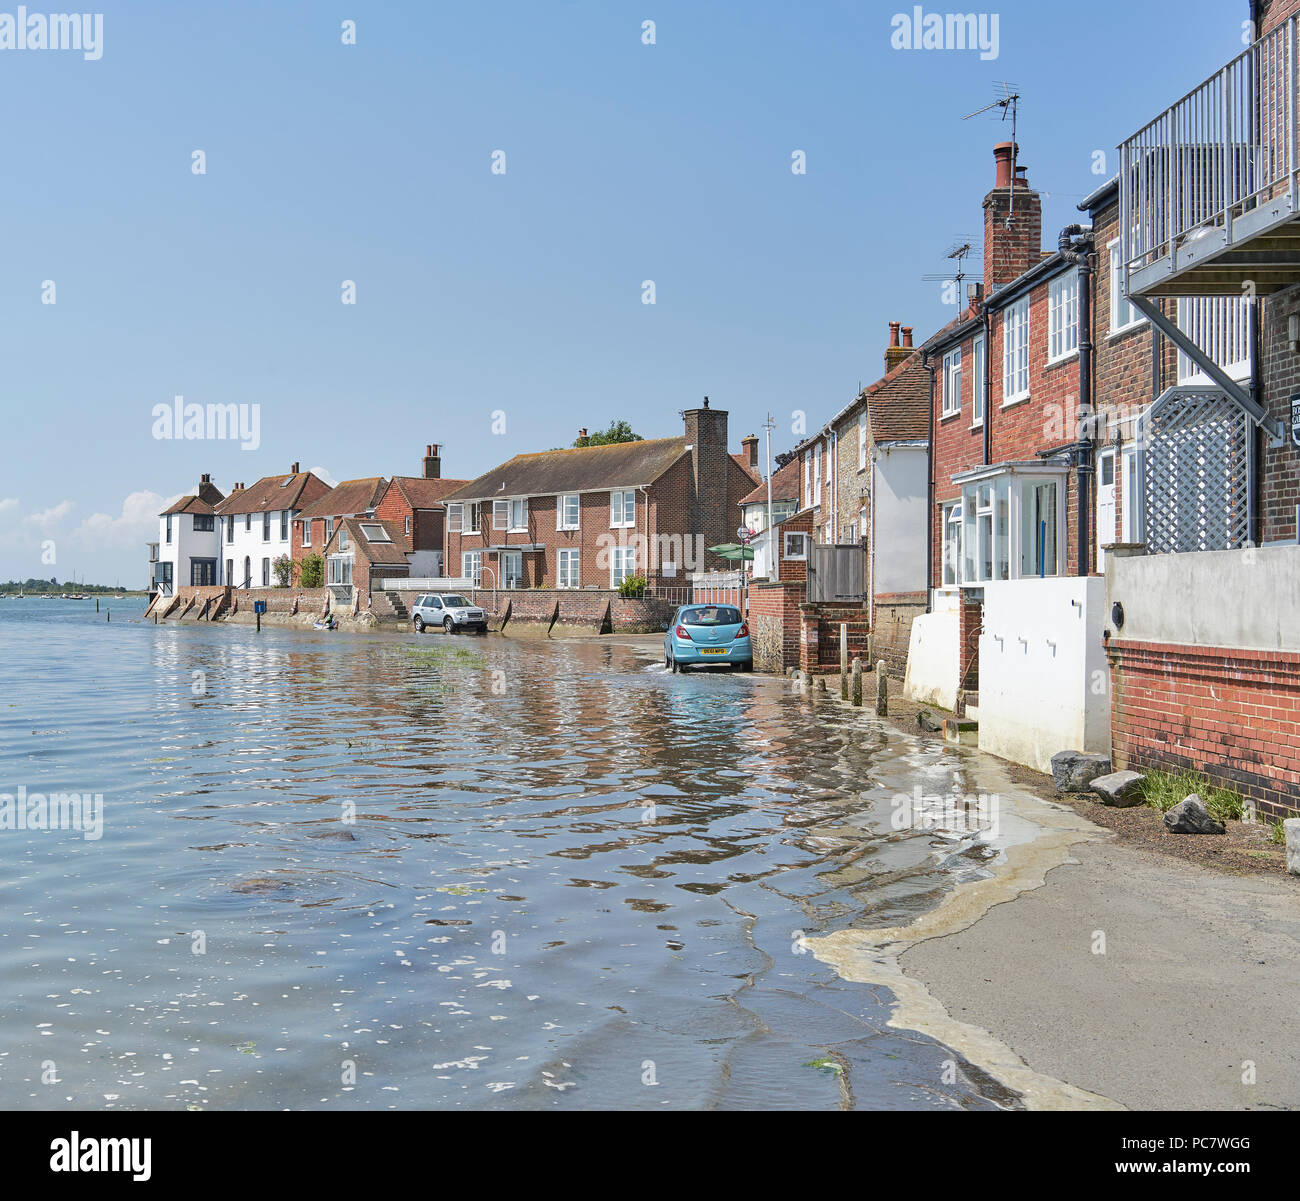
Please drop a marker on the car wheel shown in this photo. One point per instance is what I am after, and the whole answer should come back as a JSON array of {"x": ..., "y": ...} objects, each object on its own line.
[
  {"x": 419, "y": 625},
  {"x": 672, "y": 662},
  {"x": 448, "y": 625},
  {"x": 747, "y": 665}
]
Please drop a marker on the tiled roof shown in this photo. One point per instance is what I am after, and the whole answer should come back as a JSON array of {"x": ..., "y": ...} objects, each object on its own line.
[
  {"x": 188, "y": 504},
  {"x": 275, "y": 492},
  {"x": 741, "y": 459},
  {"x": 785, "y": 485},
  {"x": 899, "y": 404},
  {"x": 422, "y": 493},
  {"x": 348, "y": 498},
  {"x": 584, "y": 469},
  {"x": 394, "y": 550}
]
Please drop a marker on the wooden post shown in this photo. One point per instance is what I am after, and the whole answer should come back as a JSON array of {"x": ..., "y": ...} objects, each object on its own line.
[
  {"x": 259, "y": 622},
  {"x": 857, "y": 681},
  {"x": 844, "y": 661},
  {"x": 882, "y": 689}
]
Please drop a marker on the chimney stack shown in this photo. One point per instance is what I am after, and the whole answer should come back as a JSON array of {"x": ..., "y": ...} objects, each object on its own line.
[
  {"x": 708, "y": 513},
  {"x": 432, "y": 463},
  {"x": 294, "y": 469},
  {"x": 208, "y": 491},
  {"x": 749, "y": 444},
  {"x": 894, "y": 352},
  {"x": 1013, "y": 221}
]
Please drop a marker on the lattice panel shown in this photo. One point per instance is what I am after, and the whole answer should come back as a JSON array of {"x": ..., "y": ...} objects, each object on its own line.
[{"x": 1197, "y": 474}]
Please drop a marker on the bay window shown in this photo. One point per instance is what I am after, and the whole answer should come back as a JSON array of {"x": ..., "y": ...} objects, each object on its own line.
[{"x": 1007, "y": 526}]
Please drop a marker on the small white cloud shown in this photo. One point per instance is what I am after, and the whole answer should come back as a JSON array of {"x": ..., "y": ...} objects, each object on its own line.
[
  {"x": 138, "y": 522},
  {"x": 10, "y": 502},
  {"x": 50, "y": 517},
  {"x": 321, "y": 474}
]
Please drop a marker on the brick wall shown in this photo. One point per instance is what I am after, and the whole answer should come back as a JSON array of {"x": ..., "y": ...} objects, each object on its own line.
[
  {"x": 970, "y": 625},
  {"x": 1272, "y": 13},
  {"x": 774, "y": 624},
  {"x": 1232, "y": 714},
  {"x": 1280, "y": 374},
  {"x": 280, "y": 600},
  {"x": 819, "y": 644}
]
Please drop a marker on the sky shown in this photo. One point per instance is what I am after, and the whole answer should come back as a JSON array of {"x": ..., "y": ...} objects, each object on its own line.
[{"x": 498, "y": 311}]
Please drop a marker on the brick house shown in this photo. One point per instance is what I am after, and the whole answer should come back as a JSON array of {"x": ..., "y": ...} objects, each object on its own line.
[
  {"x": 1203, "y": 641},
  {"x": 315, "y": 525},
  {"x": 359, "y": 552},
  {"x": 590, "y": 517},
  {"x": 417, "y": 503},
  {"x": 255, "y": 524}
]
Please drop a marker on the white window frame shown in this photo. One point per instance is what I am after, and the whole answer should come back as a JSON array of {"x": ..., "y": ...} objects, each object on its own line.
[
  {"x": 306, "y": 532},
  {"x": 1118, "y": 301},
  {"x": 339, "y": 566},
  {"x": 1128, "y": 493},
  {"x": 1015, "y": 352},
  {"x": 500, "y": 514},
  {"x": 952, "y": 383},
  {"x": 471, "y": 566},
  {"x": 978, "y": 518},
  {"x": 515, "y": 556},
  {"x": 950, "y": 517},
  {"x": 817, "y": 474},
  {"x": 562, "y": 521},
  {"x": 342, "y": 543},
  {"x": 517, "y": 515},
  {"x": 474, "y": 511},
  {"x": 979, "y": 377},
  {"x": 622, "y": 564},
  {"x": 862, "y": 440},
  {"x": 455, "y": 518},
  {"x": 572, "y": 577},
  {"x": 406, "y": 526},
  {"x": 802, "y": 538},
  {"x": 807, "y": 479},
  {"x": 622, "y": 509},
  {"x": 1063, "y": 317}
]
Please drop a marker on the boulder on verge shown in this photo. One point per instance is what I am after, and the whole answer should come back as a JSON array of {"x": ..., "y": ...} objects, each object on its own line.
[
  {"x": 1190, "y": 816},
  {"x": 1074, "y": 771},
  {"x": 1122, "y": 789},
  {"x": 1291, "y": 828}
]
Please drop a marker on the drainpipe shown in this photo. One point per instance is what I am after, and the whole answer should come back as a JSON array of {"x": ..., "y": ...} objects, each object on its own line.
[
  {"x": 929, "y": 487},
  {"x": 1254, "y": 522},
  {"x": 1076, "y": 245},
  {"x": 988, "y": 385}
]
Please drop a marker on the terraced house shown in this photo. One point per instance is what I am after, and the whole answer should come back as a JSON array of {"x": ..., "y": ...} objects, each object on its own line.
[
  {"x": 592, "y": 517},
  {"x": 256, "y": 525}
]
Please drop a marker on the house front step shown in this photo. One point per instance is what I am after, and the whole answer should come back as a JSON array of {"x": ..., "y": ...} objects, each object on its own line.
[{"x": 961, "y": 731}]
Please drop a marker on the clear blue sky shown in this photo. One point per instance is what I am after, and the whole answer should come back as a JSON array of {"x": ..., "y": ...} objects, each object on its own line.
[{"x": 479, "y": 292}]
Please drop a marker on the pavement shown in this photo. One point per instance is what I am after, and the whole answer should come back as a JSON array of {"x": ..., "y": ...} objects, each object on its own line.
[{"x": 1188, "y": 1003}]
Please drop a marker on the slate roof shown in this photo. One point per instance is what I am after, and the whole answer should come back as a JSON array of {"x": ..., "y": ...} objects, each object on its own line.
[
  {"x": 348, "y": 498},
  {"x": 275, "y": 492},
  {"x": 785, "y": 486},
  {"x": 581, "y": 469}
]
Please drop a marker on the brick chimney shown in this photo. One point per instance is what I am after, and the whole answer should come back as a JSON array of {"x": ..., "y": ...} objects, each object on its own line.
[
  {"x": 749, "y": 446},
  {"x": 432, "y": 463},
  {"x": 894, "y": 352},
  {"x": 710, "y": 517},
  {"x": 294, "y": 469},
  {"x": 582, "y": 433},
  {"x": 1010, "y": 249},
  {"x": 208, "y": 491}
]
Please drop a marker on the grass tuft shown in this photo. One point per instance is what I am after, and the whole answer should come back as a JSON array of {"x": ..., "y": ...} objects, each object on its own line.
[{"x": 1162, "y": 790}]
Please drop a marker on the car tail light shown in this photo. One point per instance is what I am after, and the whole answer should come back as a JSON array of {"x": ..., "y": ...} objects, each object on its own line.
[
  {"x": 743, "y": 632},
  {"x": 683, "y": 632}
]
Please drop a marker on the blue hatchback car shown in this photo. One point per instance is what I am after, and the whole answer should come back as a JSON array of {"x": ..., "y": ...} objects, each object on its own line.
[{"x": 704, "y": 634}]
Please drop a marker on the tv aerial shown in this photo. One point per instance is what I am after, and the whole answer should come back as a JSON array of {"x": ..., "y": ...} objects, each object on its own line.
[{"x": 1009, "y": 103}]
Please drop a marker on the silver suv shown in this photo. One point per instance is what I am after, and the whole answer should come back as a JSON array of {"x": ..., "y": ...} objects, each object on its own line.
[{"x": 449, "y": 610}]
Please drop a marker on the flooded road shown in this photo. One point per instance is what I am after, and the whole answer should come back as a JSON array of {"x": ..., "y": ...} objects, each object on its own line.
[{"x": 408, "y": 871}]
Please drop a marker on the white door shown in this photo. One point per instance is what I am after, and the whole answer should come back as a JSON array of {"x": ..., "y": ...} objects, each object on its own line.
[
  {"x": 1128, "y": 518},
  {"x": 512, "y": 569},
  {"x": 1105, "y": 505}
]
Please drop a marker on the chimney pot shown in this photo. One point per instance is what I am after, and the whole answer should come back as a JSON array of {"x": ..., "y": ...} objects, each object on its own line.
[
  {"x": 294, "y": 469},
  {"x": 1004, "y": 154},
  {"x": 893, "y": 332},
  {"x": 749, "y": 444},
  {"x": 582, "y": 433},
  {"x": 907, "y": 336}
]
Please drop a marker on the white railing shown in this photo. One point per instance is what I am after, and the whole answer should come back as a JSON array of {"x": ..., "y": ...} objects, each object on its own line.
[
  {"x": 1223, "y": 149},
  {"x": 426, "y": 584},
  {"x": 1220, "y": 326}
]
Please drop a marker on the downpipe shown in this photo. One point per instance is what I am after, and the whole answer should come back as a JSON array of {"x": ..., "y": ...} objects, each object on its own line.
[{"x": 1076, "y": 244}]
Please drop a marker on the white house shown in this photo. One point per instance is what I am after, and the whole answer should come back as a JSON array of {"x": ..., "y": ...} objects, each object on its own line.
[
  {"x": 188, "y": 542},
  {"x": 256, "y": 525}
]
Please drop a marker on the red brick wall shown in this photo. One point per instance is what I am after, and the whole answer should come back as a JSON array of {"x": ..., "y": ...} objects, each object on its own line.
[
  {"x": 1272, "y": 13},
  {"x": 1280, "y": 374},
  {"x": 426, "y": 524},
  {"x": 1232, "y": 714},
  {"x": 774, "y": 624}
]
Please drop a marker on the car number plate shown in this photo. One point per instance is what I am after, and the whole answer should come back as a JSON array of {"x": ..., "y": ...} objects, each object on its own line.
[{"x": 713, "y": 650}]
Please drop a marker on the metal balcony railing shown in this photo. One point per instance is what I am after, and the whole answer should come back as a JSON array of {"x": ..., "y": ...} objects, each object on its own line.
[{"x": 1226, "y": 148}]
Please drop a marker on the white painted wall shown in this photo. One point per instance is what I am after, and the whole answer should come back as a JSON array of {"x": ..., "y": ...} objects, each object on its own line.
[
  {"x": 186, "y": 543},
  {"x": 934, "y": 659},
  {"x": 425, "y": 563},
  {"x": 899, "y": 518},
  {"x": 1044, "y": 682},
  {"x": 1238, "y": 598},
  {"x": 249, "y": 542}
]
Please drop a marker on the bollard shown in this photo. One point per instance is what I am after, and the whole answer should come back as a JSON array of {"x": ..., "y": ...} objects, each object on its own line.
[
  {"x": 96, "y": 604},
  {"x": 110, "y": 614},
  {"x": 844, "y": 661},
  {"x": 882, "y": 689},
  {"x": 259, "y": 623},
  {"x": 857, "y": 681}
]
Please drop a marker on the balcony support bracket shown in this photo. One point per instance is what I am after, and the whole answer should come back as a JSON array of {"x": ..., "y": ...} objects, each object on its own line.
[{"x": 1239, "y": 395}]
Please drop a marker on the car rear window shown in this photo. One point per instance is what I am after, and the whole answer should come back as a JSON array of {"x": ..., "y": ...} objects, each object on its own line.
[{"x": 711, "y": 615}]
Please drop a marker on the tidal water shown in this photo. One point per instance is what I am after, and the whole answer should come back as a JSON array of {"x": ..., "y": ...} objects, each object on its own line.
[{"x": 398, "y": 871}]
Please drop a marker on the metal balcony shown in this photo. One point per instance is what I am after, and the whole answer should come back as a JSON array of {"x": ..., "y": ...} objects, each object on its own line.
[{"x": 1208, "y": 190}]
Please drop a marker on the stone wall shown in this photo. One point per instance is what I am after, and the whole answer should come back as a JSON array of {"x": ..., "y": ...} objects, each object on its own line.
[
  {"x": 774, "y": 624},
  {"x": 893, "y": 629}
]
